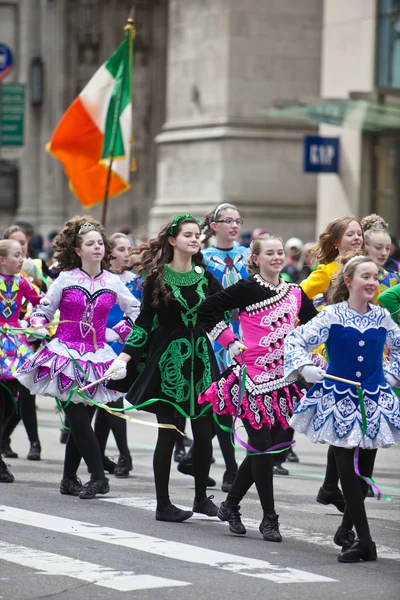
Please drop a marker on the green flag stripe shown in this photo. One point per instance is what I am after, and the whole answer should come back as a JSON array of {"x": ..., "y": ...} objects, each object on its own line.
[{"x": 119, "y": 67}]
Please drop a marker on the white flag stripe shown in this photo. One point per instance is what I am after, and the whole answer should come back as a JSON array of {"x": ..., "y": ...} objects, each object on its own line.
[
  {"x": 240, "y": 565},
  {"x": 56, "y": 564},
  {"x": 302, "y": 535}
]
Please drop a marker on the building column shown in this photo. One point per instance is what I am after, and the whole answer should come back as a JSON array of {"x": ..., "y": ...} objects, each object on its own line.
[{"x": 226, "y": 62}]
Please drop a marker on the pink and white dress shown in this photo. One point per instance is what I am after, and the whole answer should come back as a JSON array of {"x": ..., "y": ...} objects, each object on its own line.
[
  {"x": 268, "y": 314},
  {"x": 78, "y": 353}
]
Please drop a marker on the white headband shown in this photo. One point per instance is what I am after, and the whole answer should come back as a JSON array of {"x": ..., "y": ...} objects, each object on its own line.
[
  {"x": 220, "y": 207},
  {"x": 354, "y": 259}
]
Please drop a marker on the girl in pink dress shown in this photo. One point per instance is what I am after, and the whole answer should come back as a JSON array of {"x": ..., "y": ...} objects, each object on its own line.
[
  {"x": 269, "y": 309},
  {"x": 14, "y": 347},
  {"x": 78, "y": 354}
]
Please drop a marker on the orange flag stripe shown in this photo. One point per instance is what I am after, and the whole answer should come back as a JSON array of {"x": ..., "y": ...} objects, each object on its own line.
[{"x": 77, "y": 143}]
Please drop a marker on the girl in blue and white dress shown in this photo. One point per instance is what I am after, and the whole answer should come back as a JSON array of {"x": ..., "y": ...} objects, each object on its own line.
[{"x": 355, "y": 332}]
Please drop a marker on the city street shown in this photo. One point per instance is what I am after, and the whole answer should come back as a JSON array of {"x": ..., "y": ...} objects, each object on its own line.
[{"x": 54, "y": 546}]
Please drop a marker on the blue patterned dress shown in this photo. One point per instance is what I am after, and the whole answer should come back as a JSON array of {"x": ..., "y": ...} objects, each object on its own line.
[
  {"x": 330, "y": 411},
  {"x": 229, "y": 266}
]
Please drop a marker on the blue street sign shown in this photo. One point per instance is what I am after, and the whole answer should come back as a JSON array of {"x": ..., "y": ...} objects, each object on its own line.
[
  {"x": 6, "y": 61},
  {"x": 321, "y": 154}
]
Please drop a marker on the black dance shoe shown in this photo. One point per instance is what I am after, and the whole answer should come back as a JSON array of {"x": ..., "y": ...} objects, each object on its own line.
[
  {"x": 269, "y": 528},
  {"x": 64, "y": 433},
  {"x": 94, "y": 487},
  {"x": 292, "y": 456},
  {"x": 7, "y": 451},
  {"x": 344, "y": 537},
  {"x": 279, "y": 470},
  {"x": 173, "y": 514},
  {"x": 232, "y": 515},
  {"x": 5, "y": 475},
  {"x": 334, "y": 497},
  {"x": 370, "y": 492},
  {"x": 109, "y": 465},
  {"x": 124, "y": 465},
  {"x": 360, "y": 550},
  {"x": 206, "y": 507},
  {"x": 179, "y": 454},
  {"x": 187, "y": 469},
  {"x": 34, "y": 451},
  {"x": 71, "y": 486},
  {"x": 227, "y": 481}
]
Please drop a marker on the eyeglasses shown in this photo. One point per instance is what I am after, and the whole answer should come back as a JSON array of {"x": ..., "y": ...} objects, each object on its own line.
[{"x": 230, "y": 221}]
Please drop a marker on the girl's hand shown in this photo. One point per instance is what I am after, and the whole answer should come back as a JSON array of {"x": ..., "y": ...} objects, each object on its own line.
[
  {"x": 112, "y": 336},
  {"x": 236, "y": 347},
  {"x": 117, "y": 370},
  {"x": 312, "y": 374}
]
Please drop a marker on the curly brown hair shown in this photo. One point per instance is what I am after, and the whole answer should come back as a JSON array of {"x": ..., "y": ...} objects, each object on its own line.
[
  {"x": 339, "y": 290},
  {"x": 325, "y": 250},
  {"x": 157, "y": 253},
  {"x": 211, "y": 218},
  {"x": 68, "y": 239},
  {"x": 256, "y": 248}
]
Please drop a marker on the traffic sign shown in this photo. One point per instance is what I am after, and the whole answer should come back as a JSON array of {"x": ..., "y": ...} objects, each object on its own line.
[
  {"x": 12, "y": 113},
  {"x": 6, "y": 61}
]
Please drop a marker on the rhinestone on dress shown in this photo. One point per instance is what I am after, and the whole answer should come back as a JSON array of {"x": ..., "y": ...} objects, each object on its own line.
[
  {"x": 360, "y": 358},
  {"x": 361, "y": 343},
  {"x": 358, "y": 374}
]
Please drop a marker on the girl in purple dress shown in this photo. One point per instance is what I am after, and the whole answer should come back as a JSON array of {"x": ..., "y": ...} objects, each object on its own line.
[
  {"x": 269, "y": 309},
  {"x": 84, "y": 292}
]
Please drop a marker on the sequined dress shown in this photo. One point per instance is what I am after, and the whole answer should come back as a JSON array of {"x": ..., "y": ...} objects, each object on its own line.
[
  {"x": 330, "y": 411},
  {"x": 14, "y": 347},
  {"x": 179, "y": 361},
  {"x": 78, "y": 354},
  {"x": 229, "y": 266},
  {"x": 267, "y": 314}
]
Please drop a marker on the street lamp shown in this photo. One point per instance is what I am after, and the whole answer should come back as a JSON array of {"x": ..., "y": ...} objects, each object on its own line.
[{"x": 36, "y": 81}]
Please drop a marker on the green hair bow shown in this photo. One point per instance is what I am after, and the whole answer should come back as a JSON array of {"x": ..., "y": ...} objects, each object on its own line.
[{"x": 178, "y": 219}]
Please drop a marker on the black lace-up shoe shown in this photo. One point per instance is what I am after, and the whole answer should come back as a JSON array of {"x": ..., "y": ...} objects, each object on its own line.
[
  {"x": 124, "y": 465},
  {"x": 206, "y": 507},
  {"x": 109, "y": 465},
  {"x": 344, "y": 537},
  {"x": 334, "y": 497},
  {"x": 94, "y": 487},
  {"x": 280, "y": 470},
  {"x": 7, "y": 451},
  {"x": 292, "y": 456},
  {"x": 34, "y": 451},
  {"x": 227, "y": 481},
  {"x": 360, "y": 550},
  {"x": 71, "y": 486},
  {"x": 173, "y": 514},
  {"x": 232, "y": 515},
  {"x": 187, "y": 469},
  {"x": 5, "y": 475},
  {"x": 269, "y": 528}
]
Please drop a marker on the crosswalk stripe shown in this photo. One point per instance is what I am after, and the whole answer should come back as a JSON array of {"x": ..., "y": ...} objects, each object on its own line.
[
  {"x": 56, "y": 564},
  {"x": 319, "y": 539},
  {"x": 241, "y": 565}
]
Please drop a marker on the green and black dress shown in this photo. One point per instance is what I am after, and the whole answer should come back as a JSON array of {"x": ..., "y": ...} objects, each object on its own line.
[{"x": 179, "y": 361}]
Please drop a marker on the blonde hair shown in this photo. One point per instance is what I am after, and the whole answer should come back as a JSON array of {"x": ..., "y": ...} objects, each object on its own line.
[
  {"x": 350, "y": 262},
  {"x": 5, "y": 247},
  {"x": 373, "y": 224},
  {"x": 256, "y": 248},
  {"x": 116, "y": 236}
]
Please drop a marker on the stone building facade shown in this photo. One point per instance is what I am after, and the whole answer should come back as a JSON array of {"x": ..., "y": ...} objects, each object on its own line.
[{"x": 203, "y": 72}]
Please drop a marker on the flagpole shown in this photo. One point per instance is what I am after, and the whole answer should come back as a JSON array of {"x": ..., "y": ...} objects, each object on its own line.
[{"x": 129, "y": 29}]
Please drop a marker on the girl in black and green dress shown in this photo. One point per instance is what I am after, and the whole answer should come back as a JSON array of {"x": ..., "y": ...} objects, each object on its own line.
[{"x": 179, "y": 360}]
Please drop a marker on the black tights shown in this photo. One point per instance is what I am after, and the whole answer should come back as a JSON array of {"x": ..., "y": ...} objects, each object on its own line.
[
  {"x": 26, "y": 411},
  {"x": 104, "y": 422},
  {"x": 82, "y": 441},
  {"x": 354, "y": 488},
  {"x": 224, "y": 440},
  {"x": 256, "y": 468},
  {"x": 7, "y": 406},
  {"x": 331, "y": 481},
  {"x": 202, "y": 452}
]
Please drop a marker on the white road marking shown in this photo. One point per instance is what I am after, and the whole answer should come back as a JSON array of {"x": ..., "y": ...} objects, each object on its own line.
[
  {"x": 241, "y": 565},
  {"x": 302, "y": 535},
  {"x": 56, "y": 564}
]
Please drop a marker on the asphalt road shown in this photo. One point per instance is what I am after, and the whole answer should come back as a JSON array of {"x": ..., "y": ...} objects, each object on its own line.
[{"x": 54, "y": 546}]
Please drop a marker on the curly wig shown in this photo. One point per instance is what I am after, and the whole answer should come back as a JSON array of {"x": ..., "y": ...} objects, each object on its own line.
[
  {"x": 157, "y": 253},
  {"x": 68, "y": 239}
]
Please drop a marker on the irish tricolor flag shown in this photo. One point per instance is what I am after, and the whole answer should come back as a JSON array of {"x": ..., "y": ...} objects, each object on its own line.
[{"x": 96, "y": 130}]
